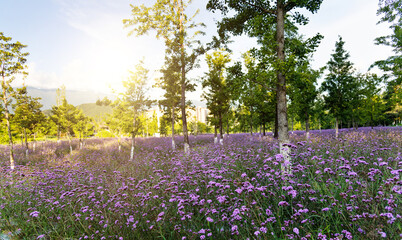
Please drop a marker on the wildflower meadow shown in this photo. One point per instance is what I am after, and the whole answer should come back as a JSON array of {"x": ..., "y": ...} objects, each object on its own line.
[{"x": 339, "y": 188}]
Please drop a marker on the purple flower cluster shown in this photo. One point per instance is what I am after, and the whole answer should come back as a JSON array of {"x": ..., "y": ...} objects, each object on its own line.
[{"x": 339, "y": 188}]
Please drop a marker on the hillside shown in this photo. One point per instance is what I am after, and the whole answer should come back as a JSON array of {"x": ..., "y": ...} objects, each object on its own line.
[
  {"x": 98, "y": 113},
  {"x": 94, "y": 111},
  {"x": 74, "y": 97}
]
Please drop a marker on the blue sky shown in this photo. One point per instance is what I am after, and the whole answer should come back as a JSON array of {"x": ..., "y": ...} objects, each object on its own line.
[{"x": 83, "y": 45}]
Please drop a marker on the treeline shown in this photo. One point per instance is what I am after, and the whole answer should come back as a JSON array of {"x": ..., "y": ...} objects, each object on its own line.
[{"x": 271, "y": 89}]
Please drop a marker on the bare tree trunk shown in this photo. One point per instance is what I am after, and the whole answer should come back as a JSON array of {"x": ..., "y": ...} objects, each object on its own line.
[
  {"x": 10, "y": 137},
  {"x": 276, "y": 121},
  {"x": 58, "y": 133},
  {"x": 133, "y": 136},
  {"x": 319, "y": 124},
  {"x": 292, "y": 125},
  {"x": 227, "y": 128},
  {"x": 263, "y": 129},
  {"x": 34, "y": 142},
  {"x": 70, "y": 143},
  {"x": 183, "y": 82},
  {"x": 283, "y": 134},
  {"x": 307, "y": 127},
  {"x": 26, "y": 143},
  {"x": 173, "y": 143},
  {"x": 119, "y": 141},
  {"x": 220, "y": 129},
  {"x": 132, "y": 147},
  {"x": 251, "y": 122},
  {"x": 336, "y": 127},
  {"x": 215, "y": 135}
]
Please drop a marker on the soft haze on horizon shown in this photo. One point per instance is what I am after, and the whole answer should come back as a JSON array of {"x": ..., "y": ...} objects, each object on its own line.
[{"x": 83, "y": 45}]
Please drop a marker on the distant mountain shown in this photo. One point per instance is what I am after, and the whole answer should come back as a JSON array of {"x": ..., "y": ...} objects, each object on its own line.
[{"x": 74, "y": 97}]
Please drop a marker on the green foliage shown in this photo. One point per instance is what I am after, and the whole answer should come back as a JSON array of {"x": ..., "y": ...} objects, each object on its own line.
[
  {"x": 127, "y": 109},
  {"x": 28, "y": 115},
  {"x": 66, "y": 116},
  {"x": 169, "y": 20},
  {"x": 340, "y": 84},
  {"x": 94, "y": 111},
  {"x": 84, "y": 126},
  {"x": 218, "y": 96},
  {"x": 104, "y": 134},
  {"x": 391, "y": 12},
  {"x": 12, "y": 63}
]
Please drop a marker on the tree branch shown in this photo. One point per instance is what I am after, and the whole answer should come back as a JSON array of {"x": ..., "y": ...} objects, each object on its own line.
[
  {"x": 269, "y": 11},
  {"x": 262, "y": 85},
  {"x": 289, "y": 6}
]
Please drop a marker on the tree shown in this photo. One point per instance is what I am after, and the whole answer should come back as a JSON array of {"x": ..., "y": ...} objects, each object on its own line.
[
  {"x": 248, "y": 16},
  {"x": 83, "y": 127},
  {"x": 170, "y": 82},
  {"x": 168, "y": 19},
  {"x": 303, "y": 92},
  {"x": 28, "y": 115},
  {"x": 218, "y": 96},
  {"x": 391, "y": 12},
  {"x": 66, "y": 117},
  {"x": 120, "y": 121},
  {"x": 373, "y": 105},
  {"x": 12, "y": 61},
  {"x": 340, "y": 84},
  {"x": 135, "y": 99}
]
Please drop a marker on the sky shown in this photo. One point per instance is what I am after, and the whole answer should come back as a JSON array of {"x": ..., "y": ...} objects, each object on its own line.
[{"x": 83, "y": 44}]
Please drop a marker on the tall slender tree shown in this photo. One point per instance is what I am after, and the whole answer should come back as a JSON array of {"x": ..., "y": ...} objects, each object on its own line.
[
  {"x": 170, "y": 82},
  {"x": 169, "y": 20},
  {"x": 218, "y": 95},
  {"x": 303, "y": 92},
  {"x": 340, "y": 84},
  {"x": 66, "y": 117},
  {"x": 136, "y": 100},
  {"x": 12, "y": 63},
  {"x": 245, "y": 17},
  {"x": 28, "y": 115},
  {"x": 391, "y": 12}
]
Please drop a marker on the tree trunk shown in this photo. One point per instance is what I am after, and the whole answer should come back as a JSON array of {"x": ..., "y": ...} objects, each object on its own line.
[
  {"x": 283, "y": 134},
  {"x": 319, "y": 124},
  {"x": 26, "y": 143},
  {"x": 133, "y": 136},
  {"x": 263, "y": 129},
  {"x": 276, "y": 121},
  {"x": 58, "y": 133},
  {"x": 34, "y": 142},
  {"x": 251, "y": 122},
  {"x": 70, "y": 143},
  {"x": 183, "y": 82},
  {"x": 292, "y": 125},
  {"x": 336, "y": 127},
  {"x": 81, "y": 140},
  {"x": 227, "y": 128},
  {"x": 215, "y": 135},
  {"x": 220, "y": 129},
  {"x": 132, "y": 147},
  {"x": 10, "y": 137},
  {"x": 307, "y": 127},
  {"x": 119, "y": 141},
  {"x": 173, "y": 143}
]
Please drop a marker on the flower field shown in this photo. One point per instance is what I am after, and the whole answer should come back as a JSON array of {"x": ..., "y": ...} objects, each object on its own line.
[{"x": 345, "y": 188}]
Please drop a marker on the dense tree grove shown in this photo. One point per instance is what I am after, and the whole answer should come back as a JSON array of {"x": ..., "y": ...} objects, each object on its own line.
[{"x": 274, "y": 88}]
